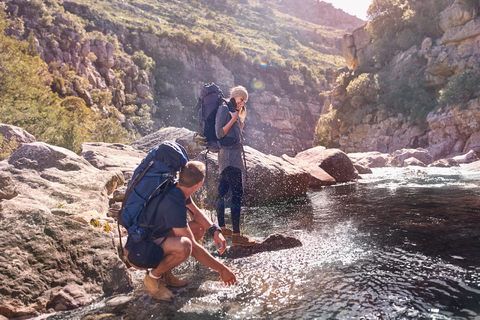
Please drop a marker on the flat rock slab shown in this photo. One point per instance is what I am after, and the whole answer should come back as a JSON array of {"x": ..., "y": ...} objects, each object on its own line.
[
  {"x": 57, "y": 179},
  {"x": 273, "y": 242}
]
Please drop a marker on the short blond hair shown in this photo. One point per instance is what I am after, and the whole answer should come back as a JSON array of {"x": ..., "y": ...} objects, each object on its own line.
[{"x": 191, "y": 174}]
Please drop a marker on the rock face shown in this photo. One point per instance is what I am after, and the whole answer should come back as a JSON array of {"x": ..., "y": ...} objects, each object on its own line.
[
  {"x": 182, "y": 136},
  {"x": 74, "y": 186},
  {"x": 268, "y": 178},
  {"x": 53, "y": 263},
  {"x": 14, "y": 135},
  {"x": 356, "y": 48},
  {"x": 333, "y": 161},
  {"x": 448, "y": 131},
  {"x": 112, "y": 157}
]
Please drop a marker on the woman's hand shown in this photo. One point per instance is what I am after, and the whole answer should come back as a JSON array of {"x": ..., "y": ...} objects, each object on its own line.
[{"x": 234, "y": 115}]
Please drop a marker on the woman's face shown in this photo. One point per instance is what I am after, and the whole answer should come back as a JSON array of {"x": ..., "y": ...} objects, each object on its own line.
[{"x": 240, "y": 102}]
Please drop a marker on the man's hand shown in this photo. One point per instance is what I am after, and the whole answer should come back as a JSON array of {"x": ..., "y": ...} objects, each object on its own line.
[
  {"x": 220, "y": 242},
  {"x": 227, "y": 276}
]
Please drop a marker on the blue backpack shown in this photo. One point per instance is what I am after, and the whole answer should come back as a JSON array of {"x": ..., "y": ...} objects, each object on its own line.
[
  {"x": 153, "y": 178},
  {"x": 211, "y": 97}
]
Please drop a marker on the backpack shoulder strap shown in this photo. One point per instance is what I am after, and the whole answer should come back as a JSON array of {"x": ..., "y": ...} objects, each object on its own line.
[{"x": 134, "y": 182}]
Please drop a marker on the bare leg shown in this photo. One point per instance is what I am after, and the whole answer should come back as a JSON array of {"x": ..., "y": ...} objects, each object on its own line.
[{"x": 176, "y": 250}]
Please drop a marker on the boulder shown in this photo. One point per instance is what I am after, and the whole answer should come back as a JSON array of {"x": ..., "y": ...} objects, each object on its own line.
[
  {"x": 318, "y": 176},
  {"x": 362, "y": 169},
  {"x": 372, "y": 159},
  {"x": 473, "y": 142},
  {"x": 455, "y": 34},
  {"x": 58, "y": 180},
  {"x": 16, "y": 133},
  {"x": 14, "y": 137},
  {"x": 182, "y": 136},
  {"x": 112, "y": 156},
  {"x": 457, "y": 14},
  {"x": 413, "y": 162},
  {"x": 444, "y": 163},
  {"x": 268, "y": 178},
  {"x": 468, "y": 157},
  {"x": 400, "y": 156},
  {"x": 333, "y": 161},
  {"x": 273, "y": 242},
  {"x": 54, "y": 263}
]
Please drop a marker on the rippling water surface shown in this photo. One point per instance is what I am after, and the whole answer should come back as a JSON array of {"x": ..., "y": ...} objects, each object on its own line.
[{"x": 400, "y": 243}]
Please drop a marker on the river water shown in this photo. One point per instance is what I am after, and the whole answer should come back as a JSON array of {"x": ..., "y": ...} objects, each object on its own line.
[{"x": 401, "y": 243}]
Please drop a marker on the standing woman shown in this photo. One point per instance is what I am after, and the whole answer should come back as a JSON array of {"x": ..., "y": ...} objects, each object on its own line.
[{"x": 229, "y": 123}]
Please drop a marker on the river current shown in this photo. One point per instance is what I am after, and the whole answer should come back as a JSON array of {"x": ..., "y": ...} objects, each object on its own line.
[{"x": 401, "y": 243}]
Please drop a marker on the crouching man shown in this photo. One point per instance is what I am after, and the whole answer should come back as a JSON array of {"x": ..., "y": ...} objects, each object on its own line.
[{"x": 178, "y": 237}]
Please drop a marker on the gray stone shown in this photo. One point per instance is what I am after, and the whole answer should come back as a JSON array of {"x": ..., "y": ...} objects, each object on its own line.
[
  {"x": 112, "y": 156},
  {"x": 268, "y": 178},
  {"x": 182, "y": 136},
  {"x": 50, "y": 262},
  {"x": 333, "y": 161},
  {"x": 56, "y": 178}
]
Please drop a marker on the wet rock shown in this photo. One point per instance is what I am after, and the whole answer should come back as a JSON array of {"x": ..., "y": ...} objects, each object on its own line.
[
  {"x": 50, "y": 262},
  {"x": 372, "y": 159},
  {"x": 444, "y": 163},
  {"x": 399, "y": 156},
  {"x": 318, "y": 177},
  {"x": 362, "y": 169},
  {"x": 471, "y": 156},
  {"x": 413, "y": 162},
  {"x": 333, "y": 161},
  {"x": 268, "y": 178},
  {"x": 273, "y": 242}
]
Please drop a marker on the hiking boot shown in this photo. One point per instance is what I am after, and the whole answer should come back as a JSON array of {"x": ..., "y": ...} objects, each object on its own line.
[
  {"x": 241, "y": 240},
  {"x": 156, "y": 287},
  {"x": 171, "y": 281},
  {"x": 227, "y": 232},
  {"x": 200, "y": 139}
]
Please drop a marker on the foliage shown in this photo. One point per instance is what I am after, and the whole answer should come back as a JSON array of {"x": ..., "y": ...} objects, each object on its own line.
[
  {"x": 407, "y": 95},
  {"x": 323, "y": 128},
  {"x": 25, "y": 100},
  {"x": 142, "y": 120},
  {"x": 363, "y": 90},
  {"x": 399, "y": 24},
  {"x": 143, "y": 61},
  {"x": 460, "y": 87},
  {"x": 7, "y": 147}
]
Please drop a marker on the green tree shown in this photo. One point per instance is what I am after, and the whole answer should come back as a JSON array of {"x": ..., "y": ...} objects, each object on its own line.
[
  {"x": 25, "y": 98},
  {"x": 460, "y": 87},
  {"x": 363, "y": 90}
]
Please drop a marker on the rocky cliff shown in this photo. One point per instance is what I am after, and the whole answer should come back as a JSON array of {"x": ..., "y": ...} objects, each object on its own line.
[
  {"x": 448, "y": 130},
  {"x": 144, "y": 65}
]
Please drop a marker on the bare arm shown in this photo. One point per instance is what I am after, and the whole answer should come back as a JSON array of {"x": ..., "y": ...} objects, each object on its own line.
[
  {"x": 202, "y": 219},
  {"x": 202, "y": 256}
]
